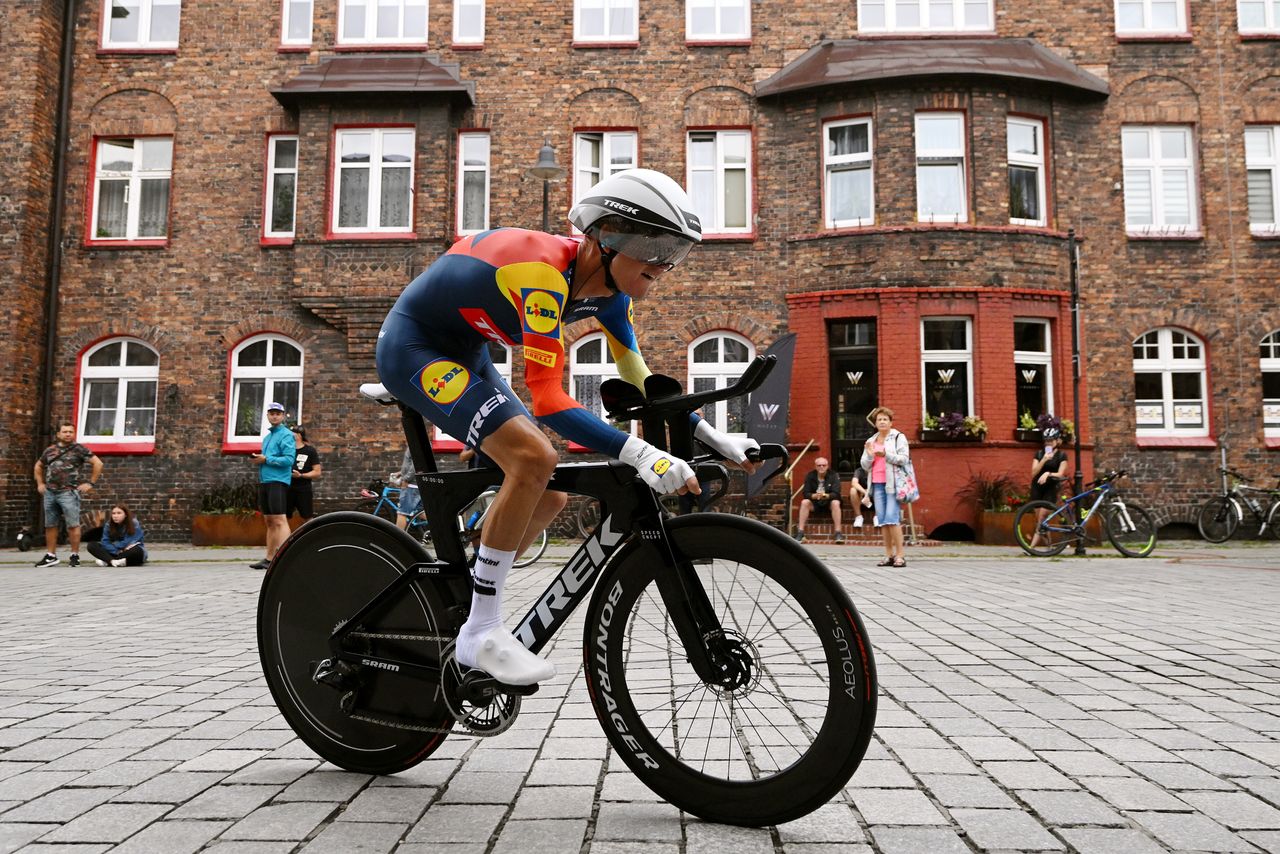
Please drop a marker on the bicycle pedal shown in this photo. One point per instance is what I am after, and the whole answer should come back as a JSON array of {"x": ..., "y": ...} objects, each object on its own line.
[{"x": 480, "y": 688}]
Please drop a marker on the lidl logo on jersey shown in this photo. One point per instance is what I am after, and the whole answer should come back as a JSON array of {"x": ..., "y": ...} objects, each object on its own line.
[
  {"x": 541, "y": 311},
  {"x": 444, "y": 381}
]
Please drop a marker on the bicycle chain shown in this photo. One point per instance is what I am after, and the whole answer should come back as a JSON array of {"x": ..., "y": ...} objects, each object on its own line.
[
  {"x": 394, "y": 723},
  {"x": 440, "y": 639}
]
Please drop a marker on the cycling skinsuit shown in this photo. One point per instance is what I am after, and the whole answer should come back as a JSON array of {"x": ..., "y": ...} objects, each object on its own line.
[{"x": 511, "y": 286}]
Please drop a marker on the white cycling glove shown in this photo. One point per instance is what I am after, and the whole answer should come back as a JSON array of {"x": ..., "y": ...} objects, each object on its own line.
[
  {"x": 663, "y": 472},
  {"x": 732, "y": 448}
]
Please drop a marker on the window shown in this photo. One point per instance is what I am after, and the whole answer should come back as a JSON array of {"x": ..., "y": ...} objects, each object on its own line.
[
  {"x": 131, "y": 188},
  {"x": 924, "y": 15},
  {"x": 473, "y": 183},
  {"x": 295, "y": 22},
  {"x": 468, "y": 21},
  {"x": 1258, "y": 16},
  {"x": 1261, "y": 163},
  {"x": 1033, "y": 367},
  {"x": 1150, "y": 17},
  {"x": 282, "y": 186},
  {"x": 590, "y": 364},
  {"x": 605, "y": 21},
  {"x": 118, "y": 380},
  {"x": 1169, "y": 384},
  {"x": 264, "y": 368},
  {"x": 1159, "y": 180},
  {"x": 1026, "y": 172},
  {"x": 947, "y": 365},
  {"x": 717, "y": 20},
  {"x": 847, "y": 167},
  {"x": 940, "y": 175},
  {"x": 720, "y": 180},
  {"x": 716, "y": 360},
  {"x": 501, "y": 355},
  {"x": 1270, "y": 364},
  {"x": 141, "y": 24},
  {"x": 596, "y": 156},
  {"x": 382, "y": 21},
  {"x": 374, "y": 178}
]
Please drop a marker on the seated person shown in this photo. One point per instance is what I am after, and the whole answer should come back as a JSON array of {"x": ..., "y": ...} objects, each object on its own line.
[
  {"x": 859, "y": 494},
  {"x": 121, "y": 543},
  {"x": 821, "y": 491}
]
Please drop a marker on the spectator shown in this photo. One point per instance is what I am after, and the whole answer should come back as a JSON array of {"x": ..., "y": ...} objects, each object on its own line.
[
  {"x": 410, "y": 499},
  {"x": 859, "y": 494},
  {"x": 1048, "y": 470},
  {"x": 121, "y": 543},
  {"x": 57, "y": 475},
  {"x": 821, "y": 492},
  {"x": 275, "y": 466},
  {"x": 882, "y": 455},
  {"x": 306, "y": 468}
]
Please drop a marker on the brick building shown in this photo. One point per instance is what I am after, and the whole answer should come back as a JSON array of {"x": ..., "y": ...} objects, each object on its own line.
[{"x": 248, "y": 185}]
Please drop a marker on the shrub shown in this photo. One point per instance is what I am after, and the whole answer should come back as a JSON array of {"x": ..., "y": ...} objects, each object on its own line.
[
  {"x": 988, "y": 490},
  {"x": 231, "y": 497}
]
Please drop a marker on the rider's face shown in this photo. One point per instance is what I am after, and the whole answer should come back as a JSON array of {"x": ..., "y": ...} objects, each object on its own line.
[{"x": 634, "y": 277}]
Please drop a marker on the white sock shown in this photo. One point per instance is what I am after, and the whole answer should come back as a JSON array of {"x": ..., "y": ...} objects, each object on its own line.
[{"x": 483, "y": 643}]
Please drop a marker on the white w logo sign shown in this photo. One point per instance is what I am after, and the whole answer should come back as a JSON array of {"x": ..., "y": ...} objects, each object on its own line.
[
  {"x": 768, "y": 410},
  {"x": 945, "y": 376},
  {"x": 854, "y": 377},
  {"x": 1029, "y": 376}
]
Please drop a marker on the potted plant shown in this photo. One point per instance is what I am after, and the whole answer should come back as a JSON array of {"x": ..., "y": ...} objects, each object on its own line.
[
  {"x": 993, "y": 495},
  {"x": 953, "y": 427},
  {"x": 1028, "y": 430},
  {"x": 228, "y": 516}
]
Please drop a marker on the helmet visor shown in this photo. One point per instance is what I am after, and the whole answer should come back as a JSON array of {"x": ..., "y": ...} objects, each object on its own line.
[{"x": 647, "y": 245}]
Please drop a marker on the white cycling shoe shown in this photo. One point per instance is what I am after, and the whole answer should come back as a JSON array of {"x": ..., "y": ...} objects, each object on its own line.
[{"x": 498, "y": 653}]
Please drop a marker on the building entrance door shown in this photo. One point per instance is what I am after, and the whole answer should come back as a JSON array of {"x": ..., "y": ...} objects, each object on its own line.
[{"x": 854, "y": 390}]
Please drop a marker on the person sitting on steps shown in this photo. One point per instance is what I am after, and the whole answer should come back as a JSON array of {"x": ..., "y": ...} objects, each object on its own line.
[{"x": 821, "y": 491}]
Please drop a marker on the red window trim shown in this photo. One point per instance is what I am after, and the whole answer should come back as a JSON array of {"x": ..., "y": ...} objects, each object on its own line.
[
  {"x": 266, "y": 176},
  {"x": 595, "y": 45},
  {"x": 1155, "y": 38},
  {"x": 109, "y": 446},
  {"x": 1156, "y": 442},
  {"x": 1272, "y": 442},
  {"x": 734, "y": 42},
  {"x": 89, "y": 241},
  {"x": 121, "y": 448},
  {"x": 926, "y": 34},
  {"x": 237, "y": 447},
  {"x": 281, "y": 47},
  {"x": 466, "y": 46},
  {"x": 331, "y": 189},
  {"x": 753, "y": 206},
  {"x": 366, "y": 48},
  {"x": 1190, "y": 236},
  {"x": 1259, "y": 37}
]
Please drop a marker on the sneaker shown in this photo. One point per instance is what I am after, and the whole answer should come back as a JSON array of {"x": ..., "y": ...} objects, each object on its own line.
[
  {"x": 47, "y": 560},
  {"x": 260, "y": 564},
  {"x": 799, "y": 536},
  {"x": 75, "y": 559},
  {"x": 119, "y": 561},
  {"x": 99, "y": 561},
  {"x": 839, "y": 537},
  {"x": 857, "y": 523}
]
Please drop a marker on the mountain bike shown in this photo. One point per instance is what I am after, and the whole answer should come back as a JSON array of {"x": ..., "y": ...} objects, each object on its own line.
[
  {"x": 1129, "y": 527},
  {"x": 1219, "y": 517},
  {"x": 727, "y": 666}
]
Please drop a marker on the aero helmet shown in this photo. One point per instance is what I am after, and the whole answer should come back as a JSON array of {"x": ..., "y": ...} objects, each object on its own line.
[{"x": 642, "y": 214}]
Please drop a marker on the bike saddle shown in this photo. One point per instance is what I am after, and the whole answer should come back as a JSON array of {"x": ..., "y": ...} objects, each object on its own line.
[{"x": 378, "y": 392}]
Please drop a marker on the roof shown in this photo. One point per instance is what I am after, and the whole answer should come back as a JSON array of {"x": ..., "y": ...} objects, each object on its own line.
[
  {"x": 836, "y": 61},
  {"x": 367, "y": 75}
]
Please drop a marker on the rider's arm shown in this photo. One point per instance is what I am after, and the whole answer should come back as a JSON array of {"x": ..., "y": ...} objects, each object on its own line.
[{"x": 617, "y": 319}]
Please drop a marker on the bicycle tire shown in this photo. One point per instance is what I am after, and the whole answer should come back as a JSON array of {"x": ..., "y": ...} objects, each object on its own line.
[
  {"x": 1218, "y": 519},
  {"x": 1026, "y": 523},
  {"x": 588, "y": 517},
  {"x": 323, "y": 574},
  {"x": 535, "y": 551},
  {"x": 1136, "y": 540},
  {"x": 810, "y": 650},
  {"x": 1273, "y": 519}
]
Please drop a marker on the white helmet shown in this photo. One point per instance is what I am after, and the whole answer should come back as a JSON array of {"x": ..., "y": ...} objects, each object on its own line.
[{"x": 642, "y": 214}]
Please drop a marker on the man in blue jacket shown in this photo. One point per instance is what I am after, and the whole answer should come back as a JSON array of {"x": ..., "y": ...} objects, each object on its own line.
[{"x": 275, "y": 466}]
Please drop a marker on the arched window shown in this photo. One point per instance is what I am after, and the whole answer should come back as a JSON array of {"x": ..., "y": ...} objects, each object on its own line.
[
  {"x": 716, "y": 360},
  {"x": 1169, "y": 386},
  {"x": 590, "y": 364},
  {"x": 501, "y": 355},
  {"x": 1269, "y": 362},
  {"x": 264, "y": 369},
  {"x": 118, "y": 380}
]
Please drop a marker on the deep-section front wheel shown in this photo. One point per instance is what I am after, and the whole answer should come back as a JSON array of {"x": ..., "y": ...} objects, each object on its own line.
[
  {"x": 323, "y": 575},
  {"x": 781, "y": 737},
  {"x": 1041, "y": 538},
  {"x": 1218, "y": 519},
  {"x": 1130, "y": 529}
]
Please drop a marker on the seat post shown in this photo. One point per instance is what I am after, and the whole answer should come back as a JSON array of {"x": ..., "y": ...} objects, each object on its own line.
[{"x": 415, "y": 433}]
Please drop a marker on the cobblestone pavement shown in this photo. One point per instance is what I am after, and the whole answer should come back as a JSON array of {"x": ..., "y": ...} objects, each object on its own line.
[{"x": 1091, "y": 705}]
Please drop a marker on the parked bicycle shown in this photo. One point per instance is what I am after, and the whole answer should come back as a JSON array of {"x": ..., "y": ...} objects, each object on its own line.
[
  {"x": 1220, "y": 517},
  {"x": 1129, "y": 527},
  {"x": 726, "y": 664}
]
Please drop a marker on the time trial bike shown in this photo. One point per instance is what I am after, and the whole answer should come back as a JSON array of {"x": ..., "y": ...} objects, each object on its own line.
[{"x": 727, "y": 666}]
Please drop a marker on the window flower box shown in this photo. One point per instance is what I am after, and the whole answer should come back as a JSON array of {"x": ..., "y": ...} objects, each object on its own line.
[{"x": 1024, "y": 435}]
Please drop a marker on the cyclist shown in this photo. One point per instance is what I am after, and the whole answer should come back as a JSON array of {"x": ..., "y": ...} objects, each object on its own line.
[
  {"x": 522, "y": 287},
  {"x": 1048, "y": 471}
]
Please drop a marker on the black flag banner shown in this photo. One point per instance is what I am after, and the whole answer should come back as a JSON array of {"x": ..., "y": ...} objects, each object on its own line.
[{"x": 767, "y": 412}]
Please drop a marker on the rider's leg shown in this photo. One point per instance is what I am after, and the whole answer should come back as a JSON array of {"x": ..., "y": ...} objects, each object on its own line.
[{"x": 549, "y": 507}]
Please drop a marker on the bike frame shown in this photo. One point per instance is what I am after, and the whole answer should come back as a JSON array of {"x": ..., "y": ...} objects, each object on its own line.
[{"x": 1072, "y": 503}]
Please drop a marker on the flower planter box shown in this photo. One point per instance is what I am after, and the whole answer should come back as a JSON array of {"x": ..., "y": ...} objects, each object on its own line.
[
  {"x": 232, "y": 529},
  {"x": 939, "y": 436},
  {"x": 995, "y": 528},
  {"x": 1032, "y": 435}
]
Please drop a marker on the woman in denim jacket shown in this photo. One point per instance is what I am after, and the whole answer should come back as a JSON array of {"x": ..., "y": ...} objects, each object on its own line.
[
  {"x": 881, "y": 457},
  {"x": 121, "y": 540}
]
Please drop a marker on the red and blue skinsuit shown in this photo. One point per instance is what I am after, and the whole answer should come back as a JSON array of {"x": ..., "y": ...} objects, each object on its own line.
[{"x": 508, "y": 285}]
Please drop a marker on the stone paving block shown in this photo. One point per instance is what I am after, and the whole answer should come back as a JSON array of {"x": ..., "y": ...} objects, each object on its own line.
[
  {"x": 896, "y": 806},
  {"x": 914, "y": 840},
  {"x": 1106, "y": 840},
  {"x": 555, "y": 802},
  {"x": 956, "y": 790},
  {"x": 172, "y": 787},
  {"x": 550, "y": 836},
  {"x": 177, "y": 749},
  {"x": 290, "y": 821},
  {"x": 126, "y": 773},
  {"x": 279, "y": 771},
  {"x": 388, "y": 805},
  {"x": 1132, "y": 750},
  {"x": 221, "y": 760},
  {"x": 1027, "y": 775},
  {"x": 172, "y": 837},
  {"x": 1267, "y": 840},
  {"x": 1180, "y": 775},
  {"x": 32, "y": 784},
  {"x": 881, "y": 774},
  {"x": 625, "y": 786},
  {"x": 1005, "y": 829},
  {"x": 357, "y": 838},
  {"x": 14, "y": 836},
  {"x": 325, "y": 784},
  {"x": 458, "y": 823},
  {"x": 431, "y": 774},
  {"x": 1226, "y": 763},
  {"x": 562, "y": 772},
  {"x": 107, "y": 823},
  {"x": 707, "y": 838},
  {"x": 981, "y": 749},
  {"x": 580, "y": 747},
  {"x": 1267, "y": 788},
  {"x": 1084, "y": 763},
  {"x": 917, "y": 737},
  {"x": 250, "y": 848},
  {"x": 60, "y": 805},
  {"x": 1133, "y": 793},
  {"x": 1190, "y": 831},
  {"x": 1071, "y": 808},
  {"x": 226, "y": 801},
  {"x": 505, "y": 761},
  {"x": 1236, "y": 810},
  {"x": 929, "y": 761},
  {"x": 612, "y": 847},
  {"x": 483, "y": 788},
  {"x": 970, "y": 726},
  {"x": 638, "y": 821}
]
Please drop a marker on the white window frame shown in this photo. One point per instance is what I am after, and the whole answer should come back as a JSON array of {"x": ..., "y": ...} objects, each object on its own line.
[
  {"x": 371, "y": 22},
  {"x": 270, "y": 375},
  {"x": 1037, "y": 161},
  {"x": 144, "y": 42},
  {"x": 124, "y": 374},
  {"x": 605, "y": 369},
  {"x": 713, "y": 221},
  {"x": 135, "y": 176},
  {"x": 273, "y": 173},
  {"x": 717, "y": 7},
  {"x": 286, "y": 18},
  {"x": 832, "y": 163},
  {"x": 1269, "y": 362},
  {"x": 1148, "y": 28},
  {"x": 965, "y": 356},
  {"x": 1171, "y": 346},
  {"x": 375, "y": 167},
  {"x": 503, "y": 364},
  {"x": 1157, "y": 168},
  {"x": 1270, "y": 163},
  {"x": 943, "y": 156},
  {"x": 585, "y": 174},
  {"x": 609, "y": 10},
  {"x": 1270, "y": 18},
  {"x": 467, "y": 38},
  {"x": 463, "y": 169},
  {"x": 1042, "y": 359},
  {"x": 890, "y": 12},
  {"x": 724, "y": 373}
]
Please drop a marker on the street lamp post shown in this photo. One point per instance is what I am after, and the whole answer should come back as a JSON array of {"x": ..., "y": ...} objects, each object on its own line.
[{"x": 548, "y": 170}]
